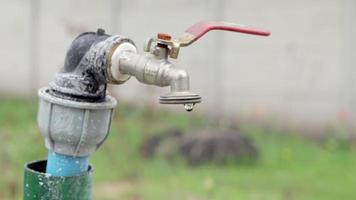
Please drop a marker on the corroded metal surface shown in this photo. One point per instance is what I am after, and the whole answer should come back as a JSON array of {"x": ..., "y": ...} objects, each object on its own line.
[{"x": 84, "y": 77}]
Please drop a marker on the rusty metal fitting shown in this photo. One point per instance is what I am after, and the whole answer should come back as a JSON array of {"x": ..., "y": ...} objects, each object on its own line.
[{"x": 164, "y": 36}]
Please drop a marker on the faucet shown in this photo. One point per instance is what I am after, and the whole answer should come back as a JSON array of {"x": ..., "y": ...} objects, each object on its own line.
[
  {"x": 75, "y": 111},
  {"x": 154, "y": 68}
]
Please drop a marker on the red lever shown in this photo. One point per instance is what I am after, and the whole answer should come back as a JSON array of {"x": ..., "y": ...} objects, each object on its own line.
[
  {"x": 200, "y": 28},
  {"x": 197, "y": 31}
]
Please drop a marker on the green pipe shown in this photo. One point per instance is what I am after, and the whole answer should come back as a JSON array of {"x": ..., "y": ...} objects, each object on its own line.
[{"x": 41, "y": 186}]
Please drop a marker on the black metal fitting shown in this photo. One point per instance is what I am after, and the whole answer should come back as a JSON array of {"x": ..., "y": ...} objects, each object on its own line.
[{"x": 83, "y": 77}]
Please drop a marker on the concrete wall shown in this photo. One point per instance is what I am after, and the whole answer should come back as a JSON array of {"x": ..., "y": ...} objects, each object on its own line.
[{"x": 303, "y": 73}]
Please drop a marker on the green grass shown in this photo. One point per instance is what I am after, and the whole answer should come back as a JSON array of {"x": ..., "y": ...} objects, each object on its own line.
[{"x": 289, "y": 167}]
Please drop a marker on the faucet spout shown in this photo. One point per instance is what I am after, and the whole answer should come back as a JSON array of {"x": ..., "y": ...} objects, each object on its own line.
[
  {"x": 179, "y": 80},
  {"x": 180, "y": 93},
  {"x": 153, "y": 68}
]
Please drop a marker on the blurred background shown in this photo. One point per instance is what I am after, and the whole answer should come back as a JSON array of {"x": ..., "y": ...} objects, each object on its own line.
[{"x": 289, "y": 100}]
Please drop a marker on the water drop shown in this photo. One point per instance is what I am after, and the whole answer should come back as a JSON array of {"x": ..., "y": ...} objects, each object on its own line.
[{"x": 189, "y": 107}]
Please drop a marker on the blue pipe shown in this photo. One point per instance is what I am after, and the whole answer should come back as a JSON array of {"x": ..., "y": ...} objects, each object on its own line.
[{"x": 63, "y": 165}]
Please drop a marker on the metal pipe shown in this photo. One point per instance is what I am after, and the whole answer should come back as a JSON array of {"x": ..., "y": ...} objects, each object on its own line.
[{"x": 39, "y": 185}]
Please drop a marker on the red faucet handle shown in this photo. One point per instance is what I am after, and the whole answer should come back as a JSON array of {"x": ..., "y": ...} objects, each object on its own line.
[
  {"x": 195, "y": 32},
  {"x": 199, "y": 29}
]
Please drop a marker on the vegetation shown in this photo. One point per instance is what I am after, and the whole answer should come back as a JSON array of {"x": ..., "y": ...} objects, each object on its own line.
[{"x": 290, "y": 166}]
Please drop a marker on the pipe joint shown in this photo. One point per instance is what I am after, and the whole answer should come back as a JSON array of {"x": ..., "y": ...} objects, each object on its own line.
[
  {"x": 73, "y": 128},
  {"x": 84, "y": 76}
]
